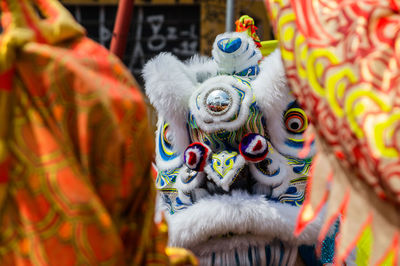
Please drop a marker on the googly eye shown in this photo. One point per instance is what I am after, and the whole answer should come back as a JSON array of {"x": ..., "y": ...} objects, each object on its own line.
[
  {"x": 253, "y": 147},
  {"x": 167, "y": 136},
  {"x": 294, "y": 123},
  {"x": 295, "y": 120},
  {"x": 196, "y": 155}
]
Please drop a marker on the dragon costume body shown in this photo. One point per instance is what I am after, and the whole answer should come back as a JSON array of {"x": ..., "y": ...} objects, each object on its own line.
[{"x": 230, "y": 176}]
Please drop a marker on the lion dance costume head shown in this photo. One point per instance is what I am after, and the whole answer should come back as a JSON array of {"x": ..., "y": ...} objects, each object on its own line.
[{"x": 229, "y": 174}]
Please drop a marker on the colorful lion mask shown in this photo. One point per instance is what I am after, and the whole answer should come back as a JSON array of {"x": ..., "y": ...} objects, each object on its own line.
[{"x": 229, "y": 174}]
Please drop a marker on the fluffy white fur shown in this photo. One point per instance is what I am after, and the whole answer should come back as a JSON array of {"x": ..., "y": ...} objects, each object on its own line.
[
  {"x": 280, "y": 182},
  {"x": 239, "y": 213},
  {"x": 169, "y": 84},
  {"x": 203, "y": 66},
  {"x": 272, "y": 94},
  {"x": 247, "y": 55},
  {"x": 184, "y": 197},
  {"x": 211, "y": 123},
  {"x": 183, "y": 176}
]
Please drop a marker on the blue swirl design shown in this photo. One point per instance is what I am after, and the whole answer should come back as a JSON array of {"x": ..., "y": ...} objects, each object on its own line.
[
  {"x": 275, "y": 173},
  {"x": 292, "y": 196},
  {"x": 165, "y": 148},
  {"x": 229, "y": 45},
  {"x": 179, "y": 205},
  {"x": 168, "y": 195},
  {"x": 229, "y": 161},
  {"x": 192, "y": 121},
  {"x": 249, "y": 72},
  {"x": 300, "y": 166},
  {"x": 242, "y": 94},
  {"x": 172, "y": 201},
  {"x": 243, "y": 81},
  {"x": 166, "y": 178},
  {"x": 294, "y": 144}
]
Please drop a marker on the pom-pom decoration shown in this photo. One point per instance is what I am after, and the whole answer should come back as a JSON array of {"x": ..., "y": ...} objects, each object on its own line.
[
  {"x": 196, "y": 155},
  {"x": 253, "y": 147},
  {"x": 246, "y": 23}
]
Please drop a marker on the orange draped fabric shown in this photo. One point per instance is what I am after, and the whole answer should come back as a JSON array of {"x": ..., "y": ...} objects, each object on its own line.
[{"x": 76, "y": 150}]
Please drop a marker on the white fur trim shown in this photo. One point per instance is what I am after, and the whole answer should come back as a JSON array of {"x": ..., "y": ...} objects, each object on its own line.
[
  {"x": 280, "y": 182},
  {"x": 188, "y": 186},
  {"x": 211, "y": 123},
  {"x": 273, "y": 95},
  {"x": 241, "y": 214},
  {"x": 261, "y": 189},
  {"x": 185, "y": 198},
  {"x": 203, "y": 66},
  {"x": 169, "y": 85}
]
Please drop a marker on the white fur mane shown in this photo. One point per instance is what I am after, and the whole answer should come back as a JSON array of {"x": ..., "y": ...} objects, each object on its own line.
[
  {"x": 273, "y": 94},
  {"x": 241, "y": 214},
  {"x": 169, "y": 84}
]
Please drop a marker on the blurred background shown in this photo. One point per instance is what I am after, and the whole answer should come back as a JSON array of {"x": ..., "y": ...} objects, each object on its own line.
[{"x": 182, "y": 27}]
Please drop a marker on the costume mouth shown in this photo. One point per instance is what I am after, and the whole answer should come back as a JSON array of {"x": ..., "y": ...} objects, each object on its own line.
[
  {"x": 244, "y": 182},
  {"x": 236, "y": 218},
  {"x": 248, "y": 213}
]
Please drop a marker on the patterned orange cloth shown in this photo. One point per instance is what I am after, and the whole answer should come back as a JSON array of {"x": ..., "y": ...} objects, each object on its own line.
[
  {"x": 342, "y": 63},
  {"x": 76, "y": 150}
]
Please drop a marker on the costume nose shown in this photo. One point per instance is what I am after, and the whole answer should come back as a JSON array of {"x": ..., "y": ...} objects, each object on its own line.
[
  {"x": 253, "y": 147},
  {"x": 196, "y": 156},
  {"x": 224, "y": 167}
]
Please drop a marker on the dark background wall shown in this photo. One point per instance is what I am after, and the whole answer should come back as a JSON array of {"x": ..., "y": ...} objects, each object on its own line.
[
  {"x": 182, "y": 27},
  {"x": 154, "y": 29}
]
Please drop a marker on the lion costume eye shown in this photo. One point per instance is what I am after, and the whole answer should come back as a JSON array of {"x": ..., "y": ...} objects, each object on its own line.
[
  {"x": 295, "y": 120},
  {"x": 167, "y": 135},
  {"x": 167, "y": 157}
]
